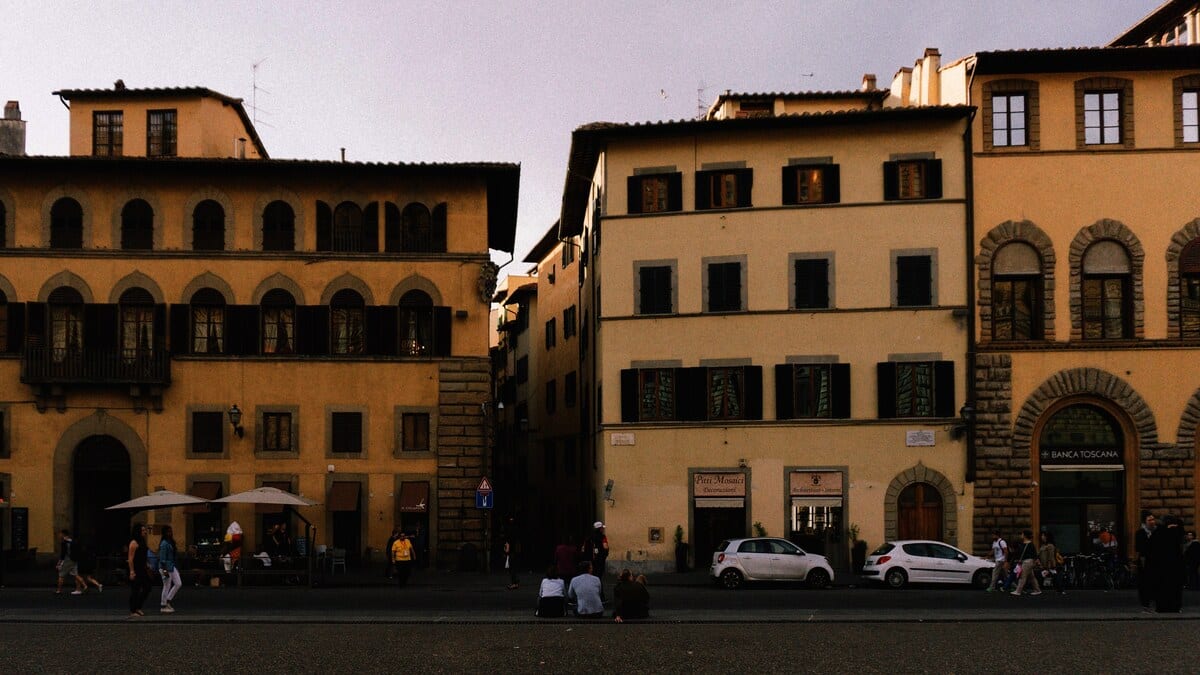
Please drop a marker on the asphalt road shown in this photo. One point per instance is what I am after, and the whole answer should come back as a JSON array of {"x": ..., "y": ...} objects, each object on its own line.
[{"x": 985, "y": 647}]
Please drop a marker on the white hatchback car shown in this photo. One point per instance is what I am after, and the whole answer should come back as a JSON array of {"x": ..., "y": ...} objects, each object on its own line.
[
  {"x": 897, "y": 563},
  {"x": 767, "y": 559}
]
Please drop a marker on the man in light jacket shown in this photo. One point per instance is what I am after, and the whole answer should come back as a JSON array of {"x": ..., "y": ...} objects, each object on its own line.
[{"x": 585, "y": 591}]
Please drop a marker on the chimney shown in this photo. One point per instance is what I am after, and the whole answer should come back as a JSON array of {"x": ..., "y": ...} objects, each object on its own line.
[
  {"x": 931, "y": 79},
  {"x": 12, "y": 130},
  {"x": 868, "y": 82},
  {"x": 239, "y": 148}
]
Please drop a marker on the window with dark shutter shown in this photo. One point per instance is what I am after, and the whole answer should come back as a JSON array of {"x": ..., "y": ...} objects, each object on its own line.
[
  {"x": 208, "y": 433},
  {"x": 912, "y": 179},
  {"x": 812, "y": 284},
  {"x": 4, "y": 347},
  {"x": 724, "y": 287},
  {"x": 347, "y": 321},
  {"x": 570, "y": 389},
  {"x": 726, "y": 393},
  {"x": 570, "y": 322},
  {"x": 393, "y": 242},
  {"x": 654, "y": 290},
  {"x": 414, "y": 432},
  {"x": 723, "y": 189},
  {"x": 811, "y": 184},
  {"x": 279, "y": 227},
  {"x": 278, "y": 322},
  {"x": 277, "y": 432},
  {"x": 551, "y": 397},
  {"x": 137, "y": 226},
  {"x": 208, "y": 226},
  {"x": 66, "y": 224},
  {"x": 551, "y": 333},
  {"x": 914, "y": 281},
  {"x": 346, "y": 434},
  {"x": 324, "y": 227},
  {"x": 523, "y": 370},
  {"x": 347, "y": 227},
  {"x": 416, "y": 225},
  {"x": 656, "y": 394},
  {"x": 416, "y": 324},
  {"x": 655, "y": 193},
  {"x": 913, "y": 388}
]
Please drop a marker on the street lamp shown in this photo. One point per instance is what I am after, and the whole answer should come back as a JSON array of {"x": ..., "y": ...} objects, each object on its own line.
[
  {"x": 235, "y": 420},
  {"x": 966, "y": 416}
]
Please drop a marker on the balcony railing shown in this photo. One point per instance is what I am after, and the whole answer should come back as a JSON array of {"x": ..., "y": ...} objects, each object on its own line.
[{"x": 50, "y": 365}]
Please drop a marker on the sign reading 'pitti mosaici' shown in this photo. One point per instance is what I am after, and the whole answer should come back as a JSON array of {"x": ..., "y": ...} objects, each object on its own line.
[
  {"x": 719, "y": 485},
  {"x": 1081, "y": 456}
]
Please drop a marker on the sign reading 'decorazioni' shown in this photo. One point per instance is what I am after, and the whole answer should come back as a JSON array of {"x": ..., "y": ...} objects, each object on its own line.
[
  {"x": 1051, "y": 456},
  {"x": 719, "y": 485}
]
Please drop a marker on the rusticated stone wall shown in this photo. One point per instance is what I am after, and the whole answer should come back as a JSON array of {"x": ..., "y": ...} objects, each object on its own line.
[{"x": 463, "y": 431}]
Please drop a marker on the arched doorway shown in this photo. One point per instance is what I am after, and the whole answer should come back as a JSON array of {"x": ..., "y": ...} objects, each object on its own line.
[
  {"x": 1082, "y": 476},
  {"x": 100, "y": 477},
  {"x": 919, "y": 512}
]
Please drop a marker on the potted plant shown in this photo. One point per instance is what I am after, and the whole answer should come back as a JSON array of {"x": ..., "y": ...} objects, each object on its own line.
[
  {"x": 681, "y": 550},
  {"x": 858, "y": 550},
  {"x": 759, "y": 530}
]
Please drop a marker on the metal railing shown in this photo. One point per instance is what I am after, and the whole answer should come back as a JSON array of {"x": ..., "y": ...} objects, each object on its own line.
[{"x": 56, "y": 365}]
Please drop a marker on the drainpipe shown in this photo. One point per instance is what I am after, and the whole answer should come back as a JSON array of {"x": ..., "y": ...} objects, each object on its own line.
[{"x": 968, "y": 170}]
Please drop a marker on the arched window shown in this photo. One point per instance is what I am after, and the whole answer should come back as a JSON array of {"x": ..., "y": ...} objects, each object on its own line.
[
  {"x": 278, "y": 322},
  {"x": 416, "y": 229},
  {"x": 4, "y": 346},
  {"x": 137, "y": 226},
  {"x": 279, "y": 227},
  {"x": 1016, "y": 293},
  {"x": 347, "y": 227},
  {"x": 66, "y": 224},
  {"x": 208, "y": 322},
  {"x": 208, "y": 226},
  {"x": 3, "y": 228},
  {"x": 438, "y": 229},
  {"x": 346, "y": 318},
  {"x": 137, "y": 324},
  {"x": 416, "y": 324},
  {"x": 393, "y": 242},
  {"x": 66, "y": 323},
  {"x": 1189, "y": 290},
  {"x": 1107, "y": 292}
]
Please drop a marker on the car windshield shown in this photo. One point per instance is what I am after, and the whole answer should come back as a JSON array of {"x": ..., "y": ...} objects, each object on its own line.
[{"x": 886, "y": 548}]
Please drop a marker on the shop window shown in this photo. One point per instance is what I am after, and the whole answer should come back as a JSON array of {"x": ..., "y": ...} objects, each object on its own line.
[
  {"x": 108, "y": 133},
  {"x": 208, "y": 226},
  {"x": 916, "y": 389},
  {"x": 811, "y": 184},
  {"x": 655, "y": 193},
  {"x": 208, "y": 322},
  {"x": 161, "y": 133},
  {"x": 1189, "y": 295},
  {"x": 346, "y": 433},
  {"x": 347, "y": 322},
  {"x": 815, "y": 390},
  {"x": 1016, "y": 293},
  {"x": 1107, "y": 292},
  {"x": 279, "y": 227},
  {"x": 66, "y": 224},
  {"x": 723, "y": 188},
  {"x": 137, "y": 226},
  {"x": 912, "y": 179},
  {"x": 278, "y": 322}
]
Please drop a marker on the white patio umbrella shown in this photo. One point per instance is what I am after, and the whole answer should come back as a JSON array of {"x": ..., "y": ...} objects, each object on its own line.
[
  {"x": 266, "y": 495},
  {"x": 159, "y": 499}
]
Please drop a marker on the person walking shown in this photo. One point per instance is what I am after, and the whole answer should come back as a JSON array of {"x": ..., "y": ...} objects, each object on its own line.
[
  {"x": 86, "y": 558},
  {"x": 1141, "y": 545},
  {"x": 167, "y": 568},
  {"x": 139, "y": 571},
  {"x": 1028, "y": 556},
  {"x": 67, "y": 567},
  {"x": 1048, "y": 558},
  {"x": 1191, "y": 559},
  {"x": 510, "y": 561},
  {"x": 1166, "y": 564},
  {"x": 402, "y": 558},
  {"x": 585, "y": 591},
  {"x": 1000, "y": 556},
  {"x": 390, "y": 570}
]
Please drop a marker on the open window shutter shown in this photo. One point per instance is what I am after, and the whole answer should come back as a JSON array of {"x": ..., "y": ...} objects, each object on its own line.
[
  {"x": 833, "y": 184},
  {"x": 634, "y": 194},
  {"x": 675, "y": 192},
  {"x": 784, "y": 391},
  {"x": 391, "y": 228},
  {"x": 753, "y": 399},
  {"x": 312, "y": 330},
  {"x": 629, "y": 395},
  {"x": 933, "y": 179},
  {"x": 441, "y": 331},
  {"x": 381, "y": 329},
  {"x": 324, "y": 227},
  {"x": 101, "y": 327},
  {"x": 840, "y": 382},
  {"x": 160, "y": 327},
  {"x": 891, "y": 181},
  {"x": 886, "y": 385},
  {"x": 370, "y": 236},
  {"x": 943, "y": 389},
  {"x": 181, "y": 329},
  {"x": 35, "y": 324},
  {"x": 691, "y": 394},
  {"x": 16, "y": 328},
  {"x": 745, "y": 186},
  {"x": 703, "y": 193},
  {"x": 438, "y": 224},
  {"x": 789, "y": 184}
]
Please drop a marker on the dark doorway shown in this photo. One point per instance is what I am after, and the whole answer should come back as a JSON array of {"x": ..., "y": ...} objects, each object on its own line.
[
  {"x": 1082, "y": 453},
  {"x": 345, "y": 502},
  {"x": 919, "y": 513},
  {"x": 101, "y": 478},
  {"x": 711, "y": 527}
]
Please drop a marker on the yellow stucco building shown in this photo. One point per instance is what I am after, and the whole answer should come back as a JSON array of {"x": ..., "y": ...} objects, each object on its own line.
[{"x": 168, "y": 273}]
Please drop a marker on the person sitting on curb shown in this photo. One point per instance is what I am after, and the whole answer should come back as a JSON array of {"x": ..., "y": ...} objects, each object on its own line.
[
  {"x": 552, "y": 601},
  {"x": 631, "y": 597},
  {"x": 585, "y": 591}
]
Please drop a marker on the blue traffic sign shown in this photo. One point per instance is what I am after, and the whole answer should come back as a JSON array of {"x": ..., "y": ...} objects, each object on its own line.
[{"x": 483, "y": 500}]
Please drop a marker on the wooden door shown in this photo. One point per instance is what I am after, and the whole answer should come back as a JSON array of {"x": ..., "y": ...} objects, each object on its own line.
[{"x": 919, "y": 513}]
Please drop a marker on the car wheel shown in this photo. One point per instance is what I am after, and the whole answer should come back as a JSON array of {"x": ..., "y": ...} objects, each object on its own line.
[
  {"x": 982, "y": 579},
  {"x": 896, "y": 578},
  {"x": 731, "y": 579},
  {"x": 817, "y": 578}
]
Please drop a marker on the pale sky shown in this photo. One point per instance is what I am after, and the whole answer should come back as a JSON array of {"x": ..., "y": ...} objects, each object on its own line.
[{"x": 458, "y": 81}]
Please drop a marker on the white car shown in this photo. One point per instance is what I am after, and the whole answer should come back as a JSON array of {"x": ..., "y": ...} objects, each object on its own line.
[
  {"x": 897, "y": 563},
  {"x": 767, "y": 559}
]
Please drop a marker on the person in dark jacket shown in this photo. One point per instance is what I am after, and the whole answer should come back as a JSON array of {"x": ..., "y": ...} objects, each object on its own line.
[
  {"x": 1191, "y": 558},
  {"x": 1166, "y": 564},
  {"x": 139, "y": 571},
  {"x": 566, "y": 559},
  {"x": 1141, "y": 544},
  {"x": 632, "y": 598}
]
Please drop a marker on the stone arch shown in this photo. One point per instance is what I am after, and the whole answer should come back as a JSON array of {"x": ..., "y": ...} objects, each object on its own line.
[
  {"x": 1115, "y": 231},
  {"x": 9, "y": 291},
  {"x": 921, "y": 474},
  {"x": 1081, "y": 382},
  {"x": 99, "y": 423},
  {"x": 352, "y": 282},
  {"x": 65, "y": 278},
  {"x": 10, "y": 218},
  {"x": 1185, "y": 435},
  {"x": 85, "y": 203},
  {"x": 1006, "y": 233},
  {"x": 189, "y": 207},
  {"x": 415, "y": 282},
  {"x": 293, "y": 200},
  {"x": 207, "y": 280},
  {"x": 136, "y": 279},
  {"x": 274, "y": 281},
  {"x": 1179, "y": 240},
  {"x": 123, "y": 198}
]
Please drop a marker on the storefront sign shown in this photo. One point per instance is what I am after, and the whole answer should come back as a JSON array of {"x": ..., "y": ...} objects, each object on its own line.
[
  {"x": 719, "y": 485},
  {"x": 918, "y": 438},
  {"x": 1082, "y": 456},
  {"x": 816, "y": 484}
]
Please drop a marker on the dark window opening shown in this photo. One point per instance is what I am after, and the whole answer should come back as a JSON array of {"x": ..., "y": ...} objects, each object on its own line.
[
  {"x": 725, "y": 287},
  {"x": 812, "y": 284},
  {"x": 346, "y": 434},
  {"x": 208, "y": 226},
  {"x": 208, "y": 429},
  {"x": 914, "y": 281},
  {"x": 654, "y": 290},
  {"x": 66, "y": 224},
  {"x": 277, "y": 432},
  {"x": 137, "y": 226},
  {"x": 347, "y": 322},
  {"x": 278, "y": 322},
  {"x": 415, "y": 432},
  {"x": 279, "y": 227}
]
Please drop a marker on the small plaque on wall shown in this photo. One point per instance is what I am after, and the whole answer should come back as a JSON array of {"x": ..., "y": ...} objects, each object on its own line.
[
  {"x": 624, "y": 438},
  {"x": 656, "y": 535},
  {"x": 920, "y": 438}
]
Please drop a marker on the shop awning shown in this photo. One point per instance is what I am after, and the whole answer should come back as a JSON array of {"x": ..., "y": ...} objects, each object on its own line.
[
  {"x": 1083, "y": 467},
  {"x": 204, "y": 490},
  {"x": 414, "y": 497},
  {"x": 720, "y": 502},
  {"x": 817, "y": 501},
  {"x": 343, "y": 496},
  {"x": 284, "y": 485}
]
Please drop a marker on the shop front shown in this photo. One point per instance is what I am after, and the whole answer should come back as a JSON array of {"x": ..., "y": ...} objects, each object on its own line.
[
  {"x": 816, "y": 504},
  {"x": 719, "y": 510}
]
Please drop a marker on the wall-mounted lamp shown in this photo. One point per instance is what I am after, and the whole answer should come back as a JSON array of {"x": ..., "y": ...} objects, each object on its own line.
[
  {"x": 741, "y": 463},
  {"x": 235, "y": 420},
  {"x": 966, "y": 417}
]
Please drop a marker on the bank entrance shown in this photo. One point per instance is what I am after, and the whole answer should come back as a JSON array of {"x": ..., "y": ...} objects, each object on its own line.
[{"x": 100, "y": 477}]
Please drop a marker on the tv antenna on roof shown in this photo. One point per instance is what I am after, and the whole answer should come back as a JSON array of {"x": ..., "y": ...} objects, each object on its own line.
[
  {"x": 701, "y": 108},
  {"x": 254, "y": 89}
]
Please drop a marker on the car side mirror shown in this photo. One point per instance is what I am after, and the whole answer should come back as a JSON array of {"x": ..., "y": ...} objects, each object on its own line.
[{"x": 961, "y": 557}]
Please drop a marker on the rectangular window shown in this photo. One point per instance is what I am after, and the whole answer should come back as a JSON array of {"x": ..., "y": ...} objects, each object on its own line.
[
  {"x": 569, "y": 389},
  {"x": 108, "y": 133},
  {"x": 725, "y": 287},
  {"x": 811, "y": 385},
  {"x": 914, "y": 389},
  {"x": 656, "y": 394},
  {"x": 277, "y": 432},
  {"x": 1102, "y": 117},
  {"x": 651, "y": 193},
  {"x": 568, "y": 254},
  {"x": 654, "y": 290},
  {"x": 1016, "y": 308},
  {"x": 551, "y": 333},
  {"x": 549, "y": 460},
  {"x": 914, "y": 281},
  {"x": 551, "y": 397},
  {"x": 569, "y": 322},
  {"x": 726, "y": 393},
  {"x": 208, "y": 329},
  {"x": 1009, "y": 120},
  {"x": 912, "y": 179},
  {"x": 523, "y": 370},
  {"x": 1107, "y": 307},
  {"x": 414, "y": 432},
  {"x": 812, "y": 284},
  {"x": 1191, "y": 118},
  {"x": 723, "y": 189},
  {"x": 811, "y": 184},
  {"x": 161, "y": 133},
  {"x": 346, "y": 434},
  {"x": 208, "y": 433}
]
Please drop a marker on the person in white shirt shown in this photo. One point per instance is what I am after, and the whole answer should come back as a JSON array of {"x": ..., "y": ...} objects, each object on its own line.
[
  {"x": 1000, "y": 555},
  {"x": 585, "y": 591},
  {"x": 552, "y": 601}
]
